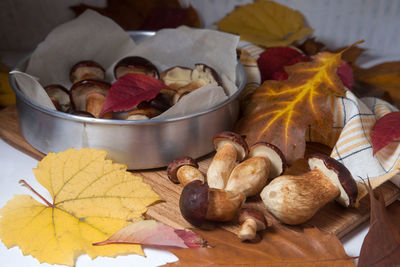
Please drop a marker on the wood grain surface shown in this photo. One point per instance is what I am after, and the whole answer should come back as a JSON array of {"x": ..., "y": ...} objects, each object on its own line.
[{"x": 332, "y": 218}]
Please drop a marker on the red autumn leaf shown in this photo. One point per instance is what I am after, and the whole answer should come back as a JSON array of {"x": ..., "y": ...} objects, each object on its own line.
[
  {"x": 381, "y": 246},
  {"x": 129, "y": 90},
  {"x": 273, "y": 61},
  {"x": 153, "y": 233},
  {"x": 385, "y": 130}
]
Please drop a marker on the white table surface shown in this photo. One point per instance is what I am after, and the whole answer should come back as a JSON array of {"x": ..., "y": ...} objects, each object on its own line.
[{"x": 15, "y": 165}]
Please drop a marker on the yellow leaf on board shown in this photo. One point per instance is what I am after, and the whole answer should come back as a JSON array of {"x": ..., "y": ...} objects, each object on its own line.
[
  {"x": 92, "y": 198},
  {"x": 266, "y": 23}
]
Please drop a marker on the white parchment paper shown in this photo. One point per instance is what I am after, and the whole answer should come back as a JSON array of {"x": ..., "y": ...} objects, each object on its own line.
[{"x": 92, "y": 36}]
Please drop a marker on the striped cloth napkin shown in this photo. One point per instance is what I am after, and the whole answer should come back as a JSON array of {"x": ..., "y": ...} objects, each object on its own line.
[{"x": 354, "y": 119}]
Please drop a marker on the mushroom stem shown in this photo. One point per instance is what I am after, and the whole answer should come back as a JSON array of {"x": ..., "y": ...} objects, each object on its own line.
[
  {"x": 251, "y": 221},
  {"x": 187, "y": 174},
  {"x": 221, "y": 166},
  {"x": 295, "y": 199},
  {"x": 248, "y": 230},
  {"x": 249, "y": 177},
  {"x": 94, "y": 104},
  {"x": 223, "y": 205}
]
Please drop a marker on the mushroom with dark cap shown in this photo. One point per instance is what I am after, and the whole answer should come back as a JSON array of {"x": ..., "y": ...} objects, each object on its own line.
[
  {"x": 144, "y": 111},
  {"x": 199, "y": 204},
  {"x": 135, "y": 64},
  {"x": 184, "y": 170},
  {"x": 59, "y": 95},
  {"x": 251, "y": 221},
  {"x": 295, "y": 199},
  {"x": 230, "y": 147},
  {"x": 250, "y": 176},
  {"x": 86, "y": 69},
  {"x": 89, "y": 95}
]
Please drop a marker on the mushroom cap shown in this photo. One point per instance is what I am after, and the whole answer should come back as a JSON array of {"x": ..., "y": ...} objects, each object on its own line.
[
  {"x": 80, "y": 90},
  {"x": 135, "y": 64},
  {"x": 176, "y": 77},
  {"x": 194, "y": 201},
  {"x": 273, "y": 153},
  {"x": 60, "y": 96},
  {"x": 145, "y": 110},
  {"x": 86, "y": 69},
  {"x": 339, "y": 175},
  {"x": 234, "y": 139},
  {"x": 205, "y": 73},
  {"x": 176, "y": 164},
  {"x": 256, "y": 215},
  {"x": 82, "y": 113}
]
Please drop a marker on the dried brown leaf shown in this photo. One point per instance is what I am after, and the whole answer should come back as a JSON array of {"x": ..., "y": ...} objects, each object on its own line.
[{"x": 381, "y": 246}]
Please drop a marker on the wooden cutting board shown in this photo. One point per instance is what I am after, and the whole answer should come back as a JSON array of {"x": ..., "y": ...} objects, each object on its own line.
[{"x": 332, "y": 218}]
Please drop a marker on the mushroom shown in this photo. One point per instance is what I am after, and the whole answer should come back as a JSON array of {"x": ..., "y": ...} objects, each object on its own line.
[
  {"x": 162, "y": 101},
  {"x": 184, "y": 170},
  {"x": 295, "y": 199},
  {"x": 144, "y": 111},
  {"x": 230, "y": 147},
  {"x": 251, "y": 221},
  {"x": 200, "y": 203},
  {"x": 82, "y": 113},
  {"x": 135, "y": 64},
  {"x": 86, "y": 69},
  {"x": 185, "y": 80},
  {"x": 89, "y": 95},
  {"x": 250, "y": 176},
  {"x": 59, "y": 96}
]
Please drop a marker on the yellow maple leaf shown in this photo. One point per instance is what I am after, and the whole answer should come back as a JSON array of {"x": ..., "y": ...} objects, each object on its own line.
[
  {"x": 265, "y": 23},
  {"x": 92, "y": 198}
]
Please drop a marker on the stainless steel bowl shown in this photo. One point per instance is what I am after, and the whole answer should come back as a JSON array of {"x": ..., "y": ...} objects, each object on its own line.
[{"x": 138, "y": 144}]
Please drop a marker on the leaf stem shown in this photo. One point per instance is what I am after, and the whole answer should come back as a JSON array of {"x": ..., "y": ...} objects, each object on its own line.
[{"x": 23, "y": 182}]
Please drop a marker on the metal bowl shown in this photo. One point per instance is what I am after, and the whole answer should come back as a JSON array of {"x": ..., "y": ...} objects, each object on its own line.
[{"x": 138, "y": 144}]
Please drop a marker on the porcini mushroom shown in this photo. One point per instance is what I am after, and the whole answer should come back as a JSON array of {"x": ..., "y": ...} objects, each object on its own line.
[
  {"x": 86, "y": 69},
  {"x": 135, "y": 64},
  {"x": 251, "y": 175},
  {"x": 143, "y": 112},
  {"x": 230, "y": 147},
  {"x": 59, "y": 96},
  {"x": 89, "y": 95},
  {"x": 184, "y": 170},
  {"x": 295, "y": 199},
  {"x": 251, "y": 221},
  {"x": 199, "y": 203}
]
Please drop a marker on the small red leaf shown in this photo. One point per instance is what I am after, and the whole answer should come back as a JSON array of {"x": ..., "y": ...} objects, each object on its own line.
[
  {"x": 129, "y": 90},
  {"x": 345, "y": 73},
  {"x": 385, "y": 130},
  {"x": 273, "y": 60},
  {"x": 153, "y": 233}
]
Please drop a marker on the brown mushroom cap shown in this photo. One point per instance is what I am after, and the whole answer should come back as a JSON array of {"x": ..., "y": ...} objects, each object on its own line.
[
  {"x": 273, "y": 153},
  {"x": 82, "y": 113},
  {"x": 206, "y": 74},
  {"x": 256, "y": 215},
  {"x": 86, "y": 69},
  {"x": 234, "y": 139},
  {"x": 135, "y": 64},
  {"x": 59, "y": 95},
  {"x": 144, "y": 111},
  {"x": 80, "y": 90},
  {"x": 339, "y": 175},
  {"x": 176, "y": 164},
  {"x": 194, "y": 201}
]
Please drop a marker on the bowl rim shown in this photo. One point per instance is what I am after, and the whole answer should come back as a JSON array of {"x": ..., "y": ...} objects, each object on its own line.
[{"x": 19, "y": 67}]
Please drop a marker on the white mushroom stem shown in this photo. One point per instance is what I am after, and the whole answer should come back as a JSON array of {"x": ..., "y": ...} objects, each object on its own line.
[
  {"x": 248, "y": 230},
  {"x": 249, "y": 177},
  {"x": 187, "y": 174},
  {"x": 295, "y": 199},
  {"x": 222, "y": 165}
]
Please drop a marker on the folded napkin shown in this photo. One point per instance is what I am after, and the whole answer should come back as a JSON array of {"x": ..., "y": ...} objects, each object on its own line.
[{"x": 354, "y": 119}]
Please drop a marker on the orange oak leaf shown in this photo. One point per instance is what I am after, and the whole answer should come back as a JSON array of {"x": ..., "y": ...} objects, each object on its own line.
[
  {"x": 279, "y": 112},
  {"x": 280, "y": 246}
]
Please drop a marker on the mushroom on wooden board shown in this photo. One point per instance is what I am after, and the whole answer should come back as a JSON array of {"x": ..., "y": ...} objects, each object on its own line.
[
  {"x": 295, "y": 199},
  {"x": 230, "y": 147},
  {"x": 251, "y": 175},
  {"x": 251, "y": 221},
  {"x": 184, "y": 170}
]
